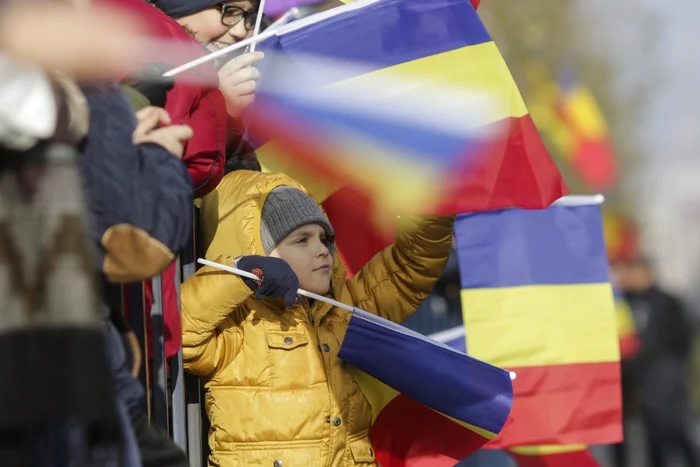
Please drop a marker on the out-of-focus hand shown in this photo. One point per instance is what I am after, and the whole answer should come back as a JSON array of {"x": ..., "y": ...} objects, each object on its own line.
[
  {"x": 169, "y": 136},
  {"x": 150, "y": 82},
  {"x": 85, "y": 43},
  {"x": 237, "y": 82}
]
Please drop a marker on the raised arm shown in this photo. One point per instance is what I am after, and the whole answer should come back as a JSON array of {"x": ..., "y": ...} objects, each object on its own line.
[{"x": 397, "y": 280}]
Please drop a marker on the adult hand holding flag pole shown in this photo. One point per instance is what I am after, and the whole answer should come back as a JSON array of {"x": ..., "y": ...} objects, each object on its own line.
[{"x": 415, "y": 383}]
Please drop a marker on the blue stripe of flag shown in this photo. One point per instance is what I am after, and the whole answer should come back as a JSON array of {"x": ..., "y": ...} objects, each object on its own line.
[
  {"x": 388, "y": 33},
  {"x": 424, "y": 143},
  {"x": 516, "y": 247},
  {"x": 429, "y": 372}
]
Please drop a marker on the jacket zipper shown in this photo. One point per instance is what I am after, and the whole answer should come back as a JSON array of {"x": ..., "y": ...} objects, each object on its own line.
[{"x": 309, "y": 313}]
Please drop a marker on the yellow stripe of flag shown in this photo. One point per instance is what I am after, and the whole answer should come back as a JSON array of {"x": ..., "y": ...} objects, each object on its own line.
[{"x": 541, "y": 325}]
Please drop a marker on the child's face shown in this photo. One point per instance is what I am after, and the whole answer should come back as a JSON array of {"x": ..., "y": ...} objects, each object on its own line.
[
  {"x": 208, "y": 28},
  {"x": 306, "y": 252}
]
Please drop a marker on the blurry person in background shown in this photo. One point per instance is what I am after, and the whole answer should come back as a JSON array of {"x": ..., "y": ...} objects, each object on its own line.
[{"x": 658, "y": 376}]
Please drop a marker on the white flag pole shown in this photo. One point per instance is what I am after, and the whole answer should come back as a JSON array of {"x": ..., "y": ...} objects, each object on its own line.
[
  {"x": 249, "y": 275},
  {"x": 269, "y": 32},
  {"x": 258, "y": 23},
  {"x": 321, "y": 298}
]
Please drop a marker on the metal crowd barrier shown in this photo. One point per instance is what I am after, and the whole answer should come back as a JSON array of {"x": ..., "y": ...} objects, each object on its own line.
[{"x": 173, "y": 399}]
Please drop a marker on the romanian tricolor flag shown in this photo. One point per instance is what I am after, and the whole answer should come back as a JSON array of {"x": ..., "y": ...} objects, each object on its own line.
[
  {"x": 621, "y": 237},
  {"x": 589, "y": 147},
  {"x": 434, "y": 405},
  {"x": 434, "y": 45},
  {"x": 537, "y": 301}
]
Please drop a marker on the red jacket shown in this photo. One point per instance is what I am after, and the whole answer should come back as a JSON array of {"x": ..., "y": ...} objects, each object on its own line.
[{"x": 195, "y": 100}]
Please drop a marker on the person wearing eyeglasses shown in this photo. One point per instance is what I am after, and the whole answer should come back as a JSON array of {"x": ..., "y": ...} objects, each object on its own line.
[{"x": 216, "y": 25}]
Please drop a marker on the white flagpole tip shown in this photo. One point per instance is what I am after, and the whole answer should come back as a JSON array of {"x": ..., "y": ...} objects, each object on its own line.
[
  {"x": 580, "y": 200},
  {"x": 512, "y": 375}
]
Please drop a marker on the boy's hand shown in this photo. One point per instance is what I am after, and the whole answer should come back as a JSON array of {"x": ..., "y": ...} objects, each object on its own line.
[
  {"x": 277, "y": 279},
  {"x": 237, "y": 82},
  {"x": 170, "y": 137}
]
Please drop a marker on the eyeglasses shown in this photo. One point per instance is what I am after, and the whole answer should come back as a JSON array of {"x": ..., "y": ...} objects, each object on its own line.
[{"x": 232, "y": 15}]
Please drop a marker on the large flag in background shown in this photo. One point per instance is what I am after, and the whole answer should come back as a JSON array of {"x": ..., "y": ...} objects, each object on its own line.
[
  {"x": 437, "y": 44},
  {"x": 434, "y": 405},
  {"x": 537, "y": 301}
]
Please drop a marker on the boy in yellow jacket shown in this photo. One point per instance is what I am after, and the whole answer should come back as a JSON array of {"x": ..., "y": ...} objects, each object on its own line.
[{"x": 277, "y": 393}]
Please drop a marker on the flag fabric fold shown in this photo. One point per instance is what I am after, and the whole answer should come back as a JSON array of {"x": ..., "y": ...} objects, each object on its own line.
[
  {"x": 537, "y": 301},
  {"x": 429, "y": 401}
]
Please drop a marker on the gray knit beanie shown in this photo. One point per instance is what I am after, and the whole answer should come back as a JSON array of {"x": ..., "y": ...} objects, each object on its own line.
[{"x": 285, "y": 210}]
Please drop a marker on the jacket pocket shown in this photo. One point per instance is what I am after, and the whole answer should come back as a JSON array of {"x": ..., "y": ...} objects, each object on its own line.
[
  {"x": 290, "y": 455},
  {"x": 289, "y": 359},
  {"x": 362, "y": 452},
  {"x": 286, "y": 340}
]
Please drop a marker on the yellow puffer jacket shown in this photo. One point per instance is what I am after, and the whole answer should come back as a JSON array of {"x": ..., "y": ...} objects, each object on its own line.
[{"x": 277, "y": 393}]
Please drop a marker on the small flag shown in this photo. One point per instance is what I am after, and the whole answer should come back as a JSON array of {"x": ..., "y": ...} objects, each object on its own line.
[
  {"x": 621, "y": 237},
  {"x": 590, "y": 151},
  {"x": 430, "y": 403}
]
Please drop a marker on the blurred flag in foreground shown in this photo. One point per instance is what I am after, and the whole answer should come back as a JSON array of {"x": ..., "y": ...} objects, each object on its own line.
[
  {"x": 475, "y": 3},
  {"x": 434, "y": 45},
  {"x": 537, "y": 301},
  {"x": 387, "y": 136},
  {"x": 434, "y": 405}
]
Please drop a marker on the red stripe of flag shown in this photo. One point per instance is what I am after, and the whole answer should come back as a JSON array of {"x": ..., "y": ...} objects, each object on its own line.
[
  {"x": 581, "y": 458},
  {"x": 542, "y": 406},
  {"x": 408, "y": 434}
]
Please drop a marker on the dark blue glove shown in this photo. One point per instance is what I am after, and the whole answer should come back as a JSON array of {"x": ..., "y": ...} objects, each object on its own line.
[
  {"x": 150, "y": 82},
  {"x": 277, "y": 279}
]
